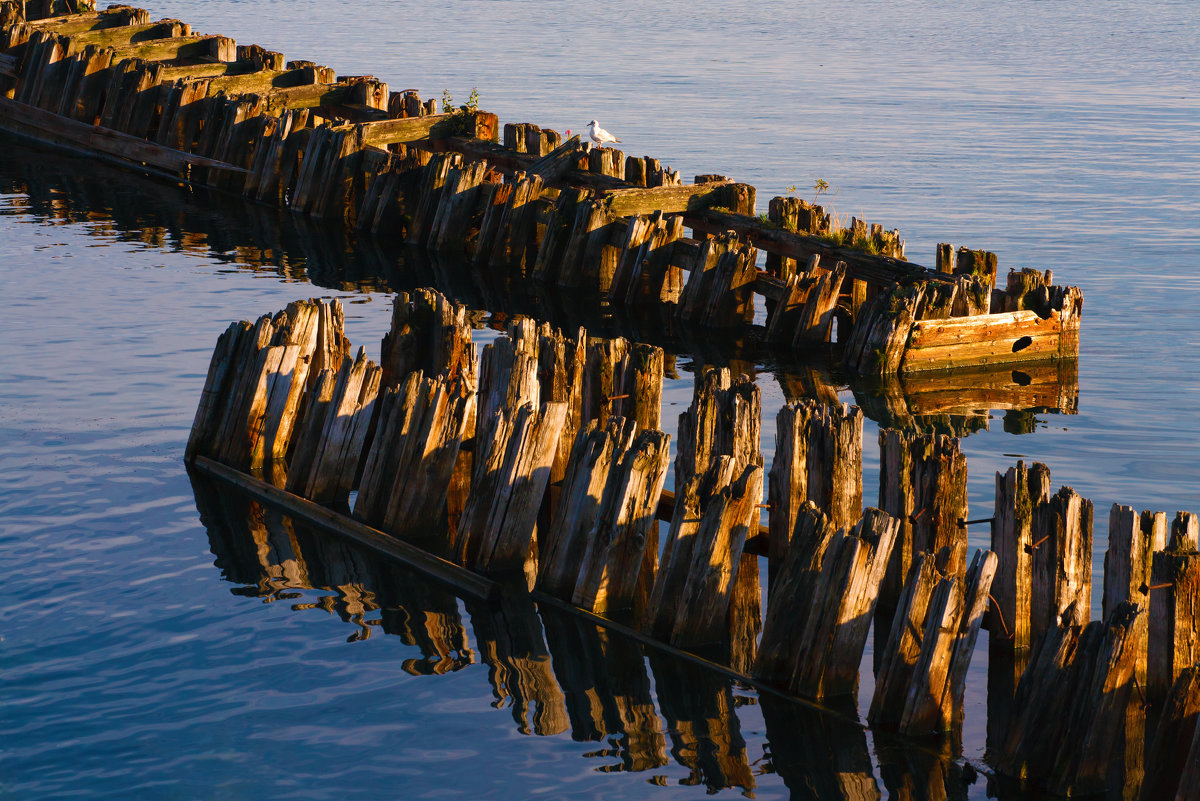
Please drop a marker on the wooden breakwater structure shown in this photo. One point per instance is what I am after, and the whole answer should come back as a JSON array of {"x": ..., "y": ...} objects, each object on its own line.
[
  {"x": 160, "y": 98},
  {"x": 543, "y": 458}
]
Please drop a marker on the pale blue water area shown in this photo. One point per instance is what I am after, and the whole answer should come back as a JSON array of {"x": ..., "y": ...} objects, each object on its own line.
[{"x": 145, "y": 656}]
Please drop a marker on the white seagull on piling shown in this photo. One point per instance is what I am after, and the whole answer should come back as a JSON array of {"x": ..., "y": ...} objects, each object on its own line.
[{"x": 598, "y": 134}]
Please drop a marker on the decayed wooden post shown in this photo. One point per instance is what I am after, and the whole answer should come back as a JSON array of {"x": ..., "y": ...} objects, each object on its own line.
[
  {"x": 1174, "y": 633},
  {"x": 1132, "y": 542},
  {"x": 814, "y": 635},
  {"x": 335, "y": 433},
  {"x": 724, "y": 419},
  {"x": 410, "y": 463},
  {"x": 702, "y": 617},
  {"x": 428, "y": 333},
  {"x": 818, "y": 458},
  {"x": 923, "y": 484},
  {"x": 621, "y": 558},
  {"x": 623, "y": 379},
  {"x": 496, "y": 530},
  {"x": 1062, "y": 559},
  {"x": 1018, "y": 492},
  {"x": 1071, "y": 705},
  {"x": 594, "y": 456},
  {"x": 919, "y": 689}
]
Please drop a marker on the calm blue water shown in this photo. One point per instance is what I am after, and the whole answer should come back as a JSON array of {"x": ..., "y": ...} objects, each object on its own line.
[{"x": 145, "y": 656}]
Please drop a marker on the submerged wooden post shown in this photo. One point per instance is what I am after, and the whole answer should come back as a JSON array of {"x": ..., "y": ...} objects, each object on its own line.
[{"x": 818, "y": 458}]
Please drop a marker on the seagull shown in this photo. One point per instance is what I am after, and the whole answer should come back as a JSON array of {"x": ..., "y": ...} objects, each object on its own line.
[{"x": 598, "y": 134}]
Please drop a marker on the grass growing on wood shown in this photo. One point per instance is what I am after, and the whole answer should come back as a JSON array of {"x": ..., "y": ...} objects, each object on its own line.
[{"x": 461, "y": 121}]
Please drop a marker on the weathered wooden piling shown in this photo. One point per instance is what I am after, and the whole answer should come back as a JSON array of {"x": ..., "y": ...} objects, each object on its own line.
[
  {"x": 923, "y": 484},
  {"x": 1018, "y": 492},
  {"x": 1133, "y": 540},
  {"x": 618, "y": 565},
  {"x": 1174, "y": 606},
  {"x": 409, "y": 465},
  {"x": 723, "y": 420},
  {"x": 820, "y": 608},
  {"x": 1071, "y": 706},
  {"x": 818, "y": 458},
  {"x": 919, "y": 688}
]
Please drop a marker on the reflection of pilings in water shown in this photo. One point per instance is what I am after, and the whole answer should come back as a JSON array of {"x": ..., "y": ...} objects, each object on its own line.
[
  {"x": 260, "y": 548},
  {"x": 915, "y": 774},
  {"x": 706, "y": 736},
  {"x": 607, "y": 690},
  {"x": 820, "y": 757},
  {"x": 510, "y": 641},
  {"x": 959, "y": 402}
]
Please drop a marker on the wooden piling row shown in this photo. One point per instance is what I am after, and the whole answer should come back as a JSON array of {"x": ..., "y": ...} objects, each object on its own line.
[
  {"x": 593, "y": 540},
  {"x": 243, "y": 119}
]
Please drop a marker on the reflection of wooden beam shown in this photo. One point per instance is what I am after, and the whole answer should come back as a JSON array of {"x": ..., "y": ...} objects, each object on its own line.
[
  {"x": 326, "y": 519},
  {"x": 93, "y": 140}
]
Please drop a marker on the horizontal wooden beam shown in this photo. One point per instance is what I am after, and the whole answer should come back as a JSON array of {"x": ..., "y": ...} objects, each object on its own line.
[
  {"x": 348, "y": 91},
  {"x": 107, "y": 144},
  {"x": 667, "y": 199},
  {"x": 304, "y": 510},
  {"x": 219, "y": 48},
  {"x": 409, "y": 130},
  {"x": 765, "y": 236},
  {"x": 90, "y": 20},
  {"x": 982, "y": 340},
  {"x": 265, "y": 81},
  {"x": 125, "y": 35}
]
